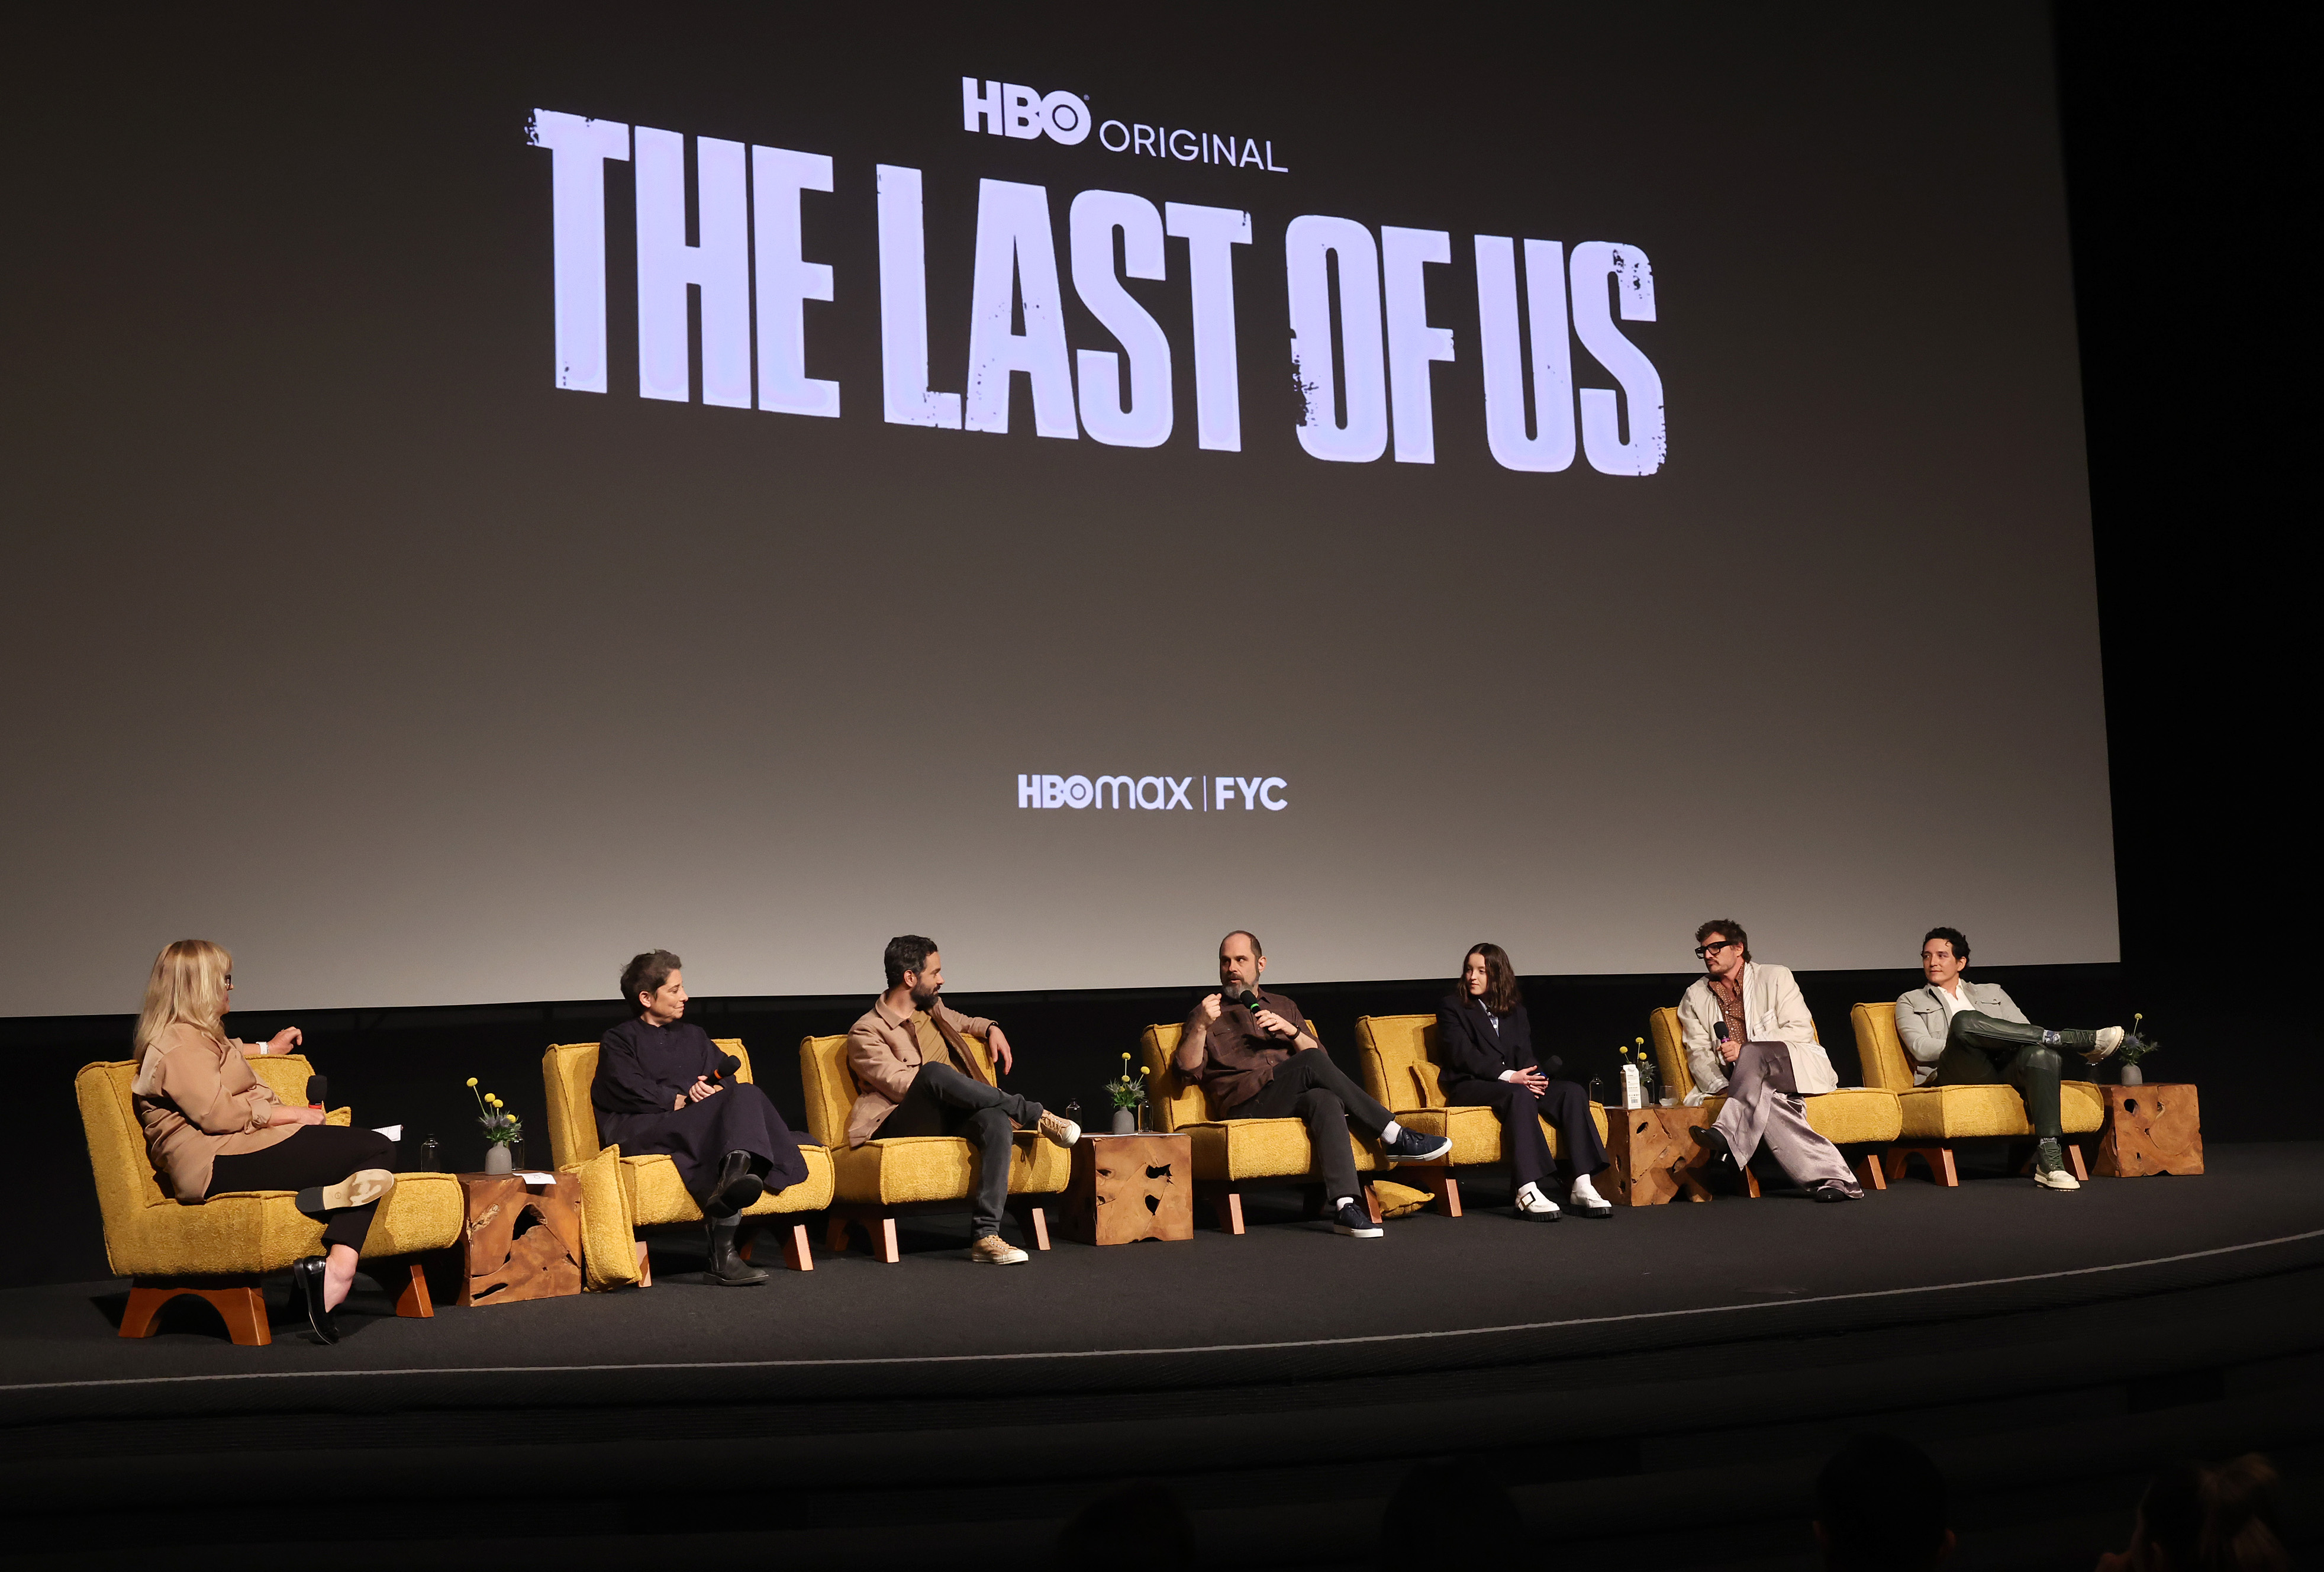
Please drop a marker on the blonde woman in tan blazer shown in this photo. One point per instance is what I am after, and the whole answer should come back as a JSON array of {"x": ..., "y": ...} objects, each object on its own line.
[{"x": 212, "y": 1126}]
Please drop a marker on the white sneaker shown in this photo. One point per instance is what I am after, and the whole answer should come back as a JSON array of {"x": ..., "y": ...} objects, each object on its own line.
[
  {"x": 2109, "y": 1039},
  {"x": 2056, "y": 1179},
  {"x": 1059, "y": 1129},
  {"x": 1532, "y": 1203}
]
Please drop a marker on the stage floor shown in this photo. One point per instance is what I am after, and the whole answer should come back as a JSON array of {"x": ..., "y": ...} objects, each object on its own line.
[{"x": 1288, "y": 1297}]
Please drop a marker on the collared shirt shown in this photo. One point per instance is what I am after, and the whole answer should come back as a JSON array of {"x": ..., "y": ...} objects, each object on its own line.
[
  {"x": 1239, "y": 1057},
  {"x": 934, "y": 1050},
  {"x": 1729, "y": 992},
  {"x": 1955, "y": 999}
]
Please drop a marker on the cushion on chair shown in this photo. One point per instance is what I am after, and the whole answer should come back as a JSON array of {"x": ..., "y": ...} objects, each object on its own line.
[
  {"x": 1854, "y": 1114},
  {"x": 1879, "y": 1050},
  {"x": 1944, "y": 1113},
  {"x": 609, "y": 1256},
  {"x": 657, "y": 1194}
]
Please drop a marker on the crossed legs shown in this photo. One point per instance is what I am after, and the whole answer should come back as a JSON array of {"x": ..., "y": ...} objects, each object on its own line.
[
  {"x": 944, "y": 1102},
  {"x": 1764, "y": 1104}
]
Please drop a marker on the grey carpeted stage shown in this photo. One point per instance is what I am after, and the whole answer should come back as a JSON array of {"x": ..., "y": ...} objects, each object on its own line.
[{"x": 1676, "y": 1359}]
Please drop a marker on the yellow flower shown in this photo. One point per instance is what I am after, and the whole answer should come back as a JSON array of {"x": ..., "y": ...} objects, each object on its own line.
[{"x": 472, "y": 1080}]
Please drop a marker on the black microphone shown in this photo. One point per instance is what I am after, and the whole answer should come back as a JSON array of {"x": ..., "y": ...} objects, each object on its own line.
[
  {"x": 1718, "y": 1030},
  {"x": 318, "y": 1091},
  {"x": 1249, "y": 1001}
]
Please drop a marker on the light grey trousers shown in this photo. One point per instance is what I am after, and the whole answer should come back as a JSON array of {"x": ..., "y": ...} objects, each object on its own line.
[{"x": 1763, "y": 1103}]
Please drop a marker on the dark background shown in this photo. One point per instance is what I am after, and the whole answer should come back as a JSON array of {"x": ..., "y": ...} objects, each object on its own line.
[{"x": 2176, "y": 130}]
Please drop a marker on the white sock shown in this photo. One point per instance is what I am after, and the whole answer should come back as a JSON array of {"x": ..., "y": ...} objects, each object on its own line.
[
  {"x": 1581, "y": 1190},
  {"x": 1391, "y": 1131},
  {"x": 1345, "y": 1201},
  {"x": 1533, "y": 1192}
]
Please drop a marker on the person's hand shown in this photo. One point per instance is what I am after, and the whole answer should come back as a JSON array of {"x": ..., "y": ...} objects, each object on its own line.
[
  {"x": 284, "y": 1040},
  {"x": 701, "y": 1089},
  {"x": 296, "y": 1114},
  {"x": 1531, "y": 1080},
  {"x": 1730, "y": 1050},
  {"x": 1210, "y": 1007},
  {"x": 1274, "y": 1025},
  {"x": 998, "y": 1043}
]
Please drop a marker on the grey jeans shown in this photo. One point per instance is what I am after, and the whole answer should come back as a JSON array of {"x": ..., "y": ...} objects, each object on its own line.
[{"x": 944, "y": 1102}]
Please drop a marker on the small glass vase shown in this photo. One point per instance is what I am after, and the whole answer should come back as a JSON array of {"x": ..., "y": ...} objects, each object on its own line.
[
  {"x": 497, "y": 1159},
  {"x": 1125, "y": 1120}
]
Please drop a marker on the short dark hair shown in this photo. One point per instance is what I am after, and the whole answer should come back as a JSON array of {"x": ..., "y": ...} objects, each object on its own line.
[
  {"x": 907, "y": 952},
  {"x": 1881, "y": 1505},
  {"x": 1725, "y": 928},
  {"x": 645, "y": 974},
  {"x": 1952, "y": 936},
  {"x": 1501, "y": 994},
  {"x": 1257, "y": 949}
]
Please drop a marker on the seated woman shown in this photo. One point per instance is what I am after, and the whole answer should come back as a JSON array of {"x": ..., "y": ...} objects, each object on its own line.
[
  {"x": 1486, "y": 1044},
  {"x": 211, "y": 1126},
  {"x": 659, "y": 1088}
]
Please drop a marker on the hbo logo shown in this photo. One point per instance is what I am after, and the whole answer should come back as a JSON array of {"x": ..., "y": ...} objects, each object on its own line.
[{"x": 1006, "y": 109}]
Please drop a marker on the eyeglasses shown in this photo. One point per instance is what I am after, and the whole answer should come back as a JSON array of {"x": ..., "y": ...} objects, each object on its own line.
[{"x": 1704, "y": 952}]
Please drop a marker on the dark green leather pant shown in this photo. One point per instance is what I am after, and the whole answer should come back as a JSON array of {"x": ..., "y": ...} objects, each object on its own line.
[{"x": 1982, "y": 1050}]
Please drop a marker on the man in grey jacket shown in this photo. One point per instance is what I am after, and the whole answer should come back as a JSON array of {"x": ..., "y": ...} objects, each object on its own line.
[
  {"x": 1747, "y": 1033},
  {"x": 1962, "y": 1033}
]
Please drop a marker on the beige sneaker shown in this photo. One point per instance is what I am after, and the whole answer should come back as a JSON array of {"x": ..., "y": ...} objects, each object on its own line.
[
  {"x": 1060, "y": 1130},
  {"x": 2109, "y": 1039},
  {"x": 2056, "y": 1179},
  {"x": 993, "y": 1250}
]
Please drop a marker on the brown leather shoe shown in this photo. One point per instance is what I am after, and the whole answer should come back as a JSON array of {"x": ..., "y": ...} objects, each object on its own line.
[
  {"x": 1059, "y": 1129},
  {"x": 993, "y": 1250}
]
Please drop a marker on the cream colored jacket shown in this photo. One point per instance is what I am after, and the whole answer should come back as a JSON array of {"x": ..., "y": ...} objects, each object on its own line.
[{"x": 1772, "y": 1012}]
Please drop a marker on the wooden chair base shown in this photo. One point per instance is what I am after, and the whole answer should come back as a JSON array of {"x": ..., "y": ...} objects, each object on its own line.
[
  {"x": 796, "y": 1254},
  {"x": 240, "y": 1303},
  {"x": 1942, "y": 1170},
  {"x": 1440, "y": 1184},
  {"x": 1226, "y": 1197},
  {"x": 878, "y": 1225}
]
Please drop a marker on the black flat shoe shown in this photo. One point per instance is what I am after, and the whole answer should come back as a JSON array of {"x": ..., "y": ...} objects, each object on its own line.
[
  {"x": 1707, "y": 1137},
  {"x": 307, "y": 1294}
]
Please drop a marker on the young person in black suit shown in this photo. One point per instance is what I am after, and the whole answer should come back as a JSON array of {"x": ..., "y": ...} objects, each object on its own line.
[{"x": 1486, "y": 1042}]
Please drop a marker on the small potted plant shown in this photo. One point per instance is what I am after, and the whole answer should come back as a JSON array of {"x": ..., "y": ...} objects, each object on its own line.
[
  {"x": 1128, "y": 1093},
  {"x": 503, "y": 1130},
  {"x": 2133, "y": 1049}
]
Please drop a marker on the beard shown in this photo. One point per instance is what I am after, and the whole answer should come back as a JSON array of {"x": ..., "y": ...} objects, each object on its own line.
[{"x": 924, "y": 998}]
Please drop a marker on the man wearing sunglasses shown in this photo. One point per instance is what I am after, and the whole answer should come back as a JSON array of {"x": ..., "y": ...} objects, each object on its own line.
[{"x": 1766, "y": 1061}]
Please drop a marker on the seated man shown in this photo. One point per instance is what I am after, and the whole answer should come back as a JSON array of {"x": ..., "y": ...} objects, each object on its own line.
[
  {"x": 660, "y": 1087},
  {"x": 1747, "y": 1033},
  {"x": 1256, "y": 1058},
  {"x": 917, "y": 1077},
  {"x": 1962, "y": 1033}
]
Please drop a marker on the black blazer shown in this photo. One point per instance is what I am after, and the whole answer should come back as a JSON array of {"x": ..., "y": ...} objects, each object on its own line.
[{"x": 1471, "y": 1050}]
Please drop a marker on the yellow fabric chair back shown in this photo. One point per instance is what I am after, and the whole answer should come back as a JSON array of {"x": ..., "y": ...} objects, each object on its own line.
[
  {"x": 1670, "y": 1052},
  {"x": 1401, "y": 1068},
  {"x": 567, "y": 1071},
  {"x": 1879, "y": 1050},
  {"x": 1172, "y": 1100}
]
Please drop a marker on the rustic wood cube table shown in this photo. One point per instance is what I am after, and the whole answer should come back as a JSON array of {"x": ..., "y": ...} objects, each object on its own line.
[
  {"x": 2153, "y": 1128},
  {"x": 1127, "y": 1187},
  {"x": 1651, "y": 1157},
  {"x": 521, "y": 1242}
]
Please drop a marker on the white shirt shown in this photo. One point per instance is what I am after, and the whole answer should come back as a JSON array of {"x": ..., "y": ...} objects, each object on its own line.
[{"x": 1955, "y": 999}]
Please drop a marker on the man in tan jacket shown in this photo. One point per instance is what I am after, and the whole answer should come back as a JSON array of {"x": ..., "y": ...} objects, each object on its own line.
[{"x": 917, "y": 1075}]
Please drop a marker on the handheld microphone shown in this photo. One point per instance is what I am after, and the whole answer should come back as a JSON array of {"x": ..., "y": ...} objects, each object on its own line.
[
  {"x": 1718, "y": 1030},
  {"x": 1248, "y": 1000},
  {"x": 318, "y": 1091}
]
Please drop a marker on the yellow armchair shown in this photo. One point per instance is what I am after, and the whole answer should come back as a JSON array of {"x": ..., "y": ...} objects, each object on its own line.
[
  {"x": 652, "y": 1194},
  {"x": 219, "y": 1248},
  {"x": 1938, "y": 1118},
  {"x": 882, "y": 1180},
  {"x": 1402, "y": 1070},
  {"x": 1865, "y": 1117},
  {"x": 1233, "y": 1155}
]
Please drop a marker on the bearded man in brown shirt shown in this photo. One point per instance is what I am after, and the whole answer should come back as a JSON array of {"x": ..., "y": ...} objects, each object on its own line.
[
  {"x": 914, "y": 1076},
  {"x": 1256, "y": 1058}
]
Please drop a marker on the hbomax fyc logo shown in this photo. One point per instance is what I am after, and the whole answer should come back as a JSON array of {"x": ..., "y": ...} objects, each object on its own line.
[{"x": 1154, "y": 792}]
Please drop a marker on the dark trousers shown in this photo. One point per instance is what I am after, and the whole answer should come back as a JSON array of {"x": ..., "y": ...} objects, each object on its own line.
[
  {"x": 1309, "y": 1087},
  {"x": 1982, "y": 1050},
  {"x": 1563, "y": 1105},
  {"x": 316, "y": 1154},
  {"x": 944, "y": 1102}
]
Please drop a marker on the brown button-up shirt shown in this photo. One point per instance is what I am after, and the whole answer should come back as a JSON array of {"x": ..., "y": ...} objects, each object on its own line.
[
  {"x": 1729, "y": 992},
  {"x": 1239, "y": 1057},
  {"x": 884, "y": 1053},
  {"x": 202, "y": 1103}
]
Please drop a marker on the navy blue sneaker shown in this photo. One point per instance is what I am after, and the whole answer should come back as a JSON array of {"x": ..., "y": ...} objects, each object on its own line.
[{"x": 1412, "y": 1146}]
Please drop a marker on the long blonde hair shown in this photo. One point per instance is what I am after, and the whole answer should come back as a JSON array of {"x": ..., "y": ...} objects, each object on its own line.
[{"x": 188, "y": 985}]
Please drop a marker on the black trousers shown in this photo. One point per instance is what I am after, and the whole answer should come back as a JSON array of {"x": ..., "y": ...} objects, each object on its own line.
[
  {"x": 1309, "y": 1087},
  {"x": 316, "y": 1154},
  {"x": 698, "y": 1136},
  {"x": 944, "y": 1102},
  {"x": 1562, "y": 1103},
  {"x": 1983, "y": 1050}
]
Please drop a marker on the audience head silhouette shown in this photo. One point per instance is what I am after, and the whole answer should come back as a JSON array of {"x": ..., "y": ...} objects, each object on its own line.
[{"x": 1881, "y": 1507}]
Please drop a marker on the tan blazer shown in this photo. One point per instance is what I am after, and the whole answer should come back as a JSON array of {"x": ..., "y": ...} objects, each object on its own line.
[
  {"x": 1772, "y": 1012},
  {"x": 883, "y": 1055},
  {"x": 197, "y": 1100}
]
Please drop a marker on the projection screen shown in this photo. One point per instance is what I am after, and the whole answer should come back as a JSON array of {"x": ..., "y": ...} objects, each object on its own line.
[{"x": 493, "y": 489}]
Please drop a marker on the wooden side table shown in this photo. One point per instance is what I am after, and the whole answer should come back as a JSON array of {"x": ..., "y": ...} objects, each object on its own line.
[
  {"x": 2153, "y": 1128},
  {"x": 1651, "y": 1157},
  {"x": 520, "y": 1241},
  {"x": 1127, "y": 1187}
]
